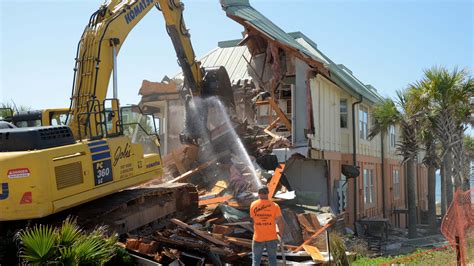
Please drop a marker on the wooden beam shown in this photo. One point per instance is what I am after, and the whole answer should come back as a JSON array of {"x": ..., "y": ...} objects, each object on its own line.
[
  {"x": 215, "y": 200},
  {"x": 199, "y": 233},
  {"x": 275, "y": 180},
  {"x": 281, "y": 116},
  {"x": 191, "y": 172},
  {"x": 320, "y": 230},
  {"x": 261, "y": 102},
  {"x": 271, "y": 134},
  {"x": 280, "y": 113},
  {"x": 273, "y": 124}
]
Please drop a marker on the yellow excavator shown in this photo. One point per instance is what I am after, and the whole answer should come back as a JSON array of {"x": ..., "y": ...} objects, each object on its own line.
[{"x": 48, "y": 169}]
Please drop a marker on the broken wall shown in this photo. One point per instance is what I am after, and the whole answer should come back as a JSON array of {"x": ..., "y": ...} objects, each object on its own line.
[
  {"x": 299, "y": 116},
  {"x": 309, "y": 178}
]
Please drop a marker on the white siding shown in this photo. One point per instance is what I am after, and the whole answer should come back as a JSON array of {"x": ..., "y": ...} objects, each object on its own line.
[
  {"x": 329, "y": 136},
  {"x": 325, "y": 99}
]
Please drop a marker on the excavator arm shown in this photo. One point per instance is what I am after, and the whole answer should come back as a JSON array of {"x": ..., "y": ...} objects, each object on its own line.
[{"x": 99, "y": 45}]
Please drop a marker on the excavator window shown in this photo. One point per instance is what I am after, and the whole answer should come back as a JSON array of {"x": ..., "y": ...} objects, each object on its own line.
[
  {"x": 57, "y": 119},
  {"x": 141, "y": 128}
]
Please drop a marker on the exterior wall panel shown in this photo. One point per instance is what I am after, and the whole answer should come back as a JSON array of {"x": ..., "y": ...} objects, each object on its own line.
[
  {"x": 325, "y": 99},
  {"x": 329, "y": 139}
]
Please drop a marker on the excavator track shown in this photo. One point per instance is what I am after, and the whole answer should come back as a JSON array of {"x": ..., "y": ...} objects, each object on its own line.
[
  {"x": 134, "y": 210},
  {"x": 131, "y": 209}
]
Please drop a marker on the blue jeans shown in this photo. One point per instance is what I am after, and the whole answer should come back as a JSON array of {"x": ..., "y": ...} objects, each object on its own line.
[{"x": 257, "y": 250}]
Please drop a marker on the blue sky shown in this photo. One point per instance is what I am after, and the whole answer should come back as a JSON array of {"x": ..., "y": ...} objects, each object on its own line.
[{"x": 385, "y": 43}]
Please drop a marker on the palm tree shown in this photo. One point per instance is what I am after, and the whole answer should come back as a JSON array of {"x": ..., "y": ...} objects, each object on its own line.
[
  {"x": 469, "y": 151},
  {"x": 419, "y": 102},
  {"x": 450, "y": 94},
  {"x": 385, "y": 114}
]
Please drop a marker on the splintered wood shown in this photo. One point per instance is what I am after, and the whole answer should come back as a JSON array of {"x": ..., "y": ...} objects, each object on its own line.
[
  {"x": 316, "y": 234},
  {"x": 192, "y": 172}
]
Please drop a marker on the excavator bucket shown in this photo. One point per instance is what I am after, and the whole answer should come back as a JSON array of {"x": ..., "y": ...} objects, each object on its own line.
[{"x": 216, "y": 83}]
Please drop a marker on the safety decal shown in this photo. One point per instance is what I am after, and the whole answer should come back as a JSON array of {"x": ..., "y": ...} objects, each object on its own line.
[
  {"x": 27, "y": 198},
  {"x": 18, "y": 173}
]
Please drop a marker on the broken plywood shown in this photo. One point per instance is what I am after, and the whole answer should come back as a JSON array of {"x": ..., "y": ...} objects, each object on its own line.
[
  {"x": 150, "y": 88},
  {"x": 309, "y": 224},
  {"x": 309, "y": 240},
  {"x": 292, "y": 234},
  {"x": 314, "y": 252}
]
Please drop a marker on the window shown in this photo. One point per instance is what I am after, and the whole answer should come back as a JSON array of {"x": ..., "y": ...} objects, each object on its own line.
[
  {"x": 391, "y": 132},
  {"x": 396, "y": 183},
  {"x": 363, "y": 123},
  {"x": 369, "y": 187},
  {"x": 58, "y": 119},
  {"x": 343, "y": 112}
]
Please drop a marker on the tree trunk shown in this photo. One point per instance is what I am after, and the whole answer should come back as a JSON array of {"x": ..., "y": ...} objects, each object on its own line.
[
  {"x": 432, "y": 199},
  {"x": 448, "y": 176},
  {"x": 459, "y": 159},
  {"x": 443, "y": 190},
  {"x": 411, "y": 193}
]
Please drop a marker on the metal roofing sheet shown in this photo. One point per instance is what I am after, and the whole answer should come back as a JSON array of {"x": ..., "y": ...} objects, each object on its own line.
[
  {"x": 243, "y": 10},
  {"x": 231, "y": 58},
  {"x": 340, "y": 71}
]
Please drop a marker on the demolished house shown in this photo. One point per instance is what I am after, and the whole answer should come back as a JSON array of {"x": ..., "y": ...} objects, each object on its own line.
[{"x": 304, "y": 121}]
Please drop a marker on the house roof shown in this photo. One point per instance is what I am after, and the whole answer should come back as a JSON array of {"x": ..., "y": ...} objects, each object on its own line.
[
  {"x": 340, "y": 74},
  {"x": 244, "y": 13},
  {"x": 232, "y": 58},
  {"x": 249, "y": 16}
]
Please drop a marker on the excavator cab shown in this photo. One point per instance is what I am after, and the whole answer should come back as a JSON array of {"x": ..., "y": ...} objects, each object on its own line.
[{"x": 141, "y": 127}]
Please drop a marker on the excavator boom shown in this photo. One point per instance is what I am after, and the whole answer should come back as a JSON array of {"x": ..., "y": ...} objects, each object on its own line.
[{"x": 100, "y": 44}]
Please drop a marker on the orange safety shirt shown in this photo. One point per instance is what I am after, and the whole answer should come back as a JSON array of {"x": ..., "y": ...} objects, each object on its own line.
[{"x": 264, "y": 214}]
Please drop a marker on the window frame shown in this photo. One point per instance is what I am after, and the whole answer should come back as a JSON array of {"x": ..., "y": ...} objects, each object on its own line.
[
  {"x": 392, "y": 136},
  {"x": 343, "y": 114},
  {"x": 396, "y": 184},
  {"x": 369, "y": 187},
  {"x": 363, "y": 125}
]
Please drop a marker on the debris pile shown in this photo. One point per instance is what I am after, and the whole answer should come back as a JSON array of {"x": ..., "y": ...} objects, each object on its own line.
[
  {"x": 221, "y": 231},
  {"x": 223, "y": 234}
]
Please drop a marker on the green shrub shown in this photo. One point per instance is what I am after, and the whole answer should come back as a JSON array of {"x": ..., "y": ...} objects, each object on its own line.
[{"x": 67, "y": 245}]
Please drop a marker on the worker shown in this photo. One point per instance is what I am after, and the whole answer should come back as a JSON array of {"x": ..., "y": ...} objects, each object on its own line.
[{"x": 266, "y": 215}]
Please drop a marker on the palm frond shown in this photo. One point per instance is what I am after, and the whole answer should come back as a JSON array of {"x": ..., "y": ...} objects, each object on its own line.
[
  {"x": 69, "y": 232},
  {"x": 384, "y": 115},
  {"x": 38, "y": 244},
  {"x": 96, "y": 248},
  {"x": 67, "y": 256}
]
